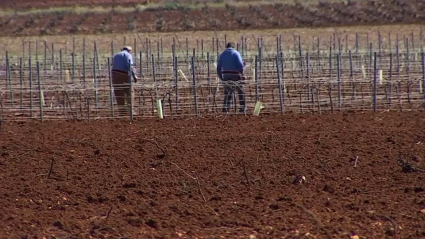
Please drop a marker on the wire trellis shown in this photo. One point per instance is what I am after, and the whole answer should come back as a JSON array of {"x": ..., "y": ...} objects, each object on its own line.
[{"x": 316, "y": 78}]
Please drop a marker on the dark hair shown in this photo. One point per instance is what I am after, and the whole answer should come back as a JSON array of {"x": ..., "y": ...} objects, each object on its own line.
[{"x": 230, "y": 45}]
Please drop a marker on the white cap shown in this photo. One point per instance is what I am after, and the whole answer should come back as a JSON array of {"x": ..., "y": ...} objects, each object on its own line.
[{"x": 128, "y": 48}]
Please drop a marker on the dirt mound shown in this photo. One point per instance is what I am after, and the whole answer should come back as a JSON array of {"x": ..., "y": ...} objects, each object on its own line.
[
  {"x": 216, "y": 18},
  {"x": 271, "y": 176}
]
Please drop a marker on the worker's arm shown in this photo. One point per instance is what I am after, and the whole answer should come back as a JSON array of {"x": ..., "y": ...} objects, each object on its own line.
[
  {"x": 133, "y": 72},
  {"x": 133, "y": 69},
  {"x": 239, "y": 62}
]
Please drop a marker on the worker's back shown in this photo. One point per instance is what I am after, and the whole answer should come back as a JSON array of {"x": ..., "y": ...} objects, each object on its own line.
[
  {"x": 230, "y": 60},
  {"x": 121, "y": 61}
]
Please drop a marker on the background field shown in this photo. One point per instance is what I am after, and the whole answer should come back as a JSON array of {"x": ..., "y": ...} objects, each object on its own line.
[
  {"x": 316, "y": 163},
  {"x": 175, "y": 16}
]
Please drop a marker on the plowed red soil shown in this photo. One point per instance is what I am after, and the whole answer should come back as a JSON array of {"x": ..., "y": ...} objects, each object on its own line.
[
  {"x": 226, "y": 176},
  {"x": 216, "y": 18}
]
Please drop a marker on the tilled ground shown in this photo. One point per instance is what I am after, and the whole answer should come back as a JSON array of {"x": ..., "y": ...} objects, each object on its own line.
[
  {"x": 291, "y": 176},
  {"x": 210, "y": 18}
]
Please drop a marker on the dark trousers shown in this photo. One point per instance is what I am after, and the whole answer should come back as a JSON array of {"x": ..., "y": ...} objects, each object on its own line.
[
  {"x": 229, "y": 88},
  {"x": 122, "y": 92}
]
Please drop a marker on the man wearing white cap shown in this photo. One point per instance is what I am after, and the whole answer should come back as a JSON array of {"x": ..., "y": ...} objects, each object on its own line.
[
  {"x": 120, "y": 79},
  {"x": 230, "y": 67}
]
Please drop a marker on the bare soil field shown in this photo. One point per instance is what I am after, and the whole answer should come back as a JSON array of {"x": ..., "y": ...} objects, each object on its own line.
[
  {"x": 215, "y": 18},
  {"x": 291, "y": 176},
  {"x": 273, "y": 176}
]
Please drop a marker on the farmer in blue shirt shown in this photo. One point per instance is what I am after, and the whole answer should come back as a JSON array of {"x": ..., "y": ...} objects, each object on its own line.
[
  {"x": 121, "y": 79},
  {"x": 230, "y": 67}
]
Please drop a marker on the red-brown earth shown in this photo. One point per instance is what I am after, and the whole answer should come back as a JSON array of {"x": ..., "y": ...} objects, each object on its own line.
[
  {"x": 224, "y": 176},
  {"x": 214, "y": 18}
]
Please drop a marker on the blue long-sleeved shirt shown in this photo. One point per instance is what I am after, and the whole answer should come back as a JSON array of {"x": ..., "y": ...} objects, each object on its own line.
[
  {"x": 121, "y": 60},
  {"x": 229, "y": 60}
]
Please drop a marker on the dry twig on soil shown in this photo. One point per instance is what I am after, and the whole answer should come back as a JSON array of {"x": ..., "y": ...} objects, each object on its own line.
[
  {"x": 190, "y": 176},
  {"x": 51, "y": 168},
  {"x": 198, "y": 184},
  {"x": 325, "y": 166},
  {"x": 407, "y": 167},
  {"x": 49, "y": 174},
  {"x": 164, "y": 152},
  {"x": 395, "y": 226},
  {"x": 315, "y": 218},
  {"x": 199, "y": 187},
  {"x": 108, "y": 214},
  {"x": 246, "y": 174},
  {"x": 317, "y": 221}
]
